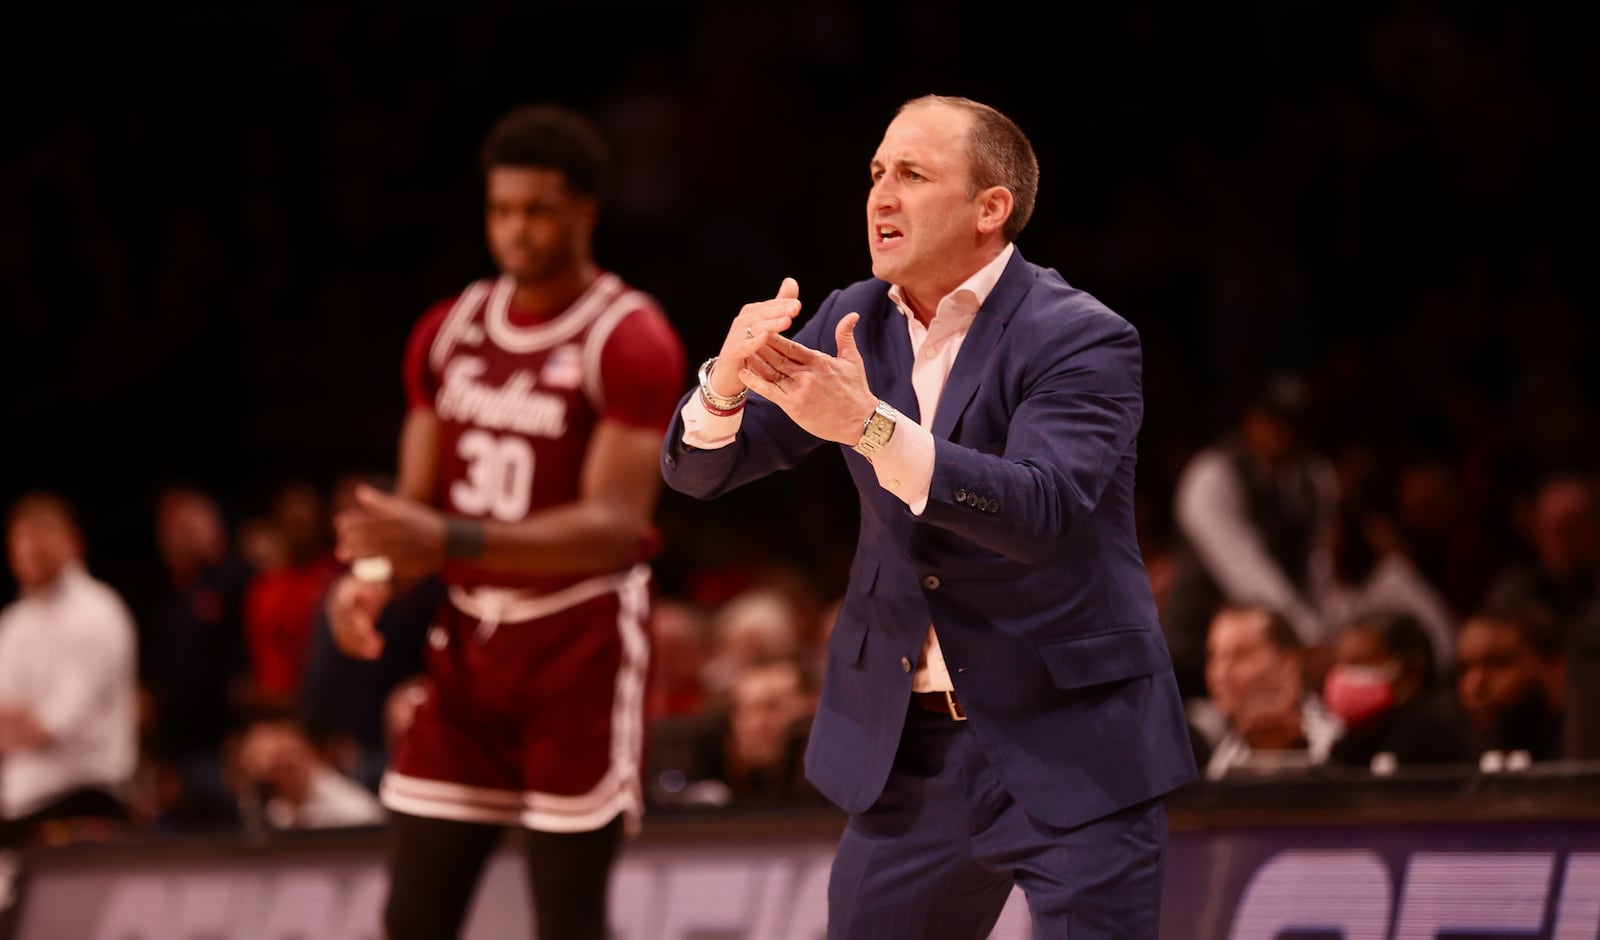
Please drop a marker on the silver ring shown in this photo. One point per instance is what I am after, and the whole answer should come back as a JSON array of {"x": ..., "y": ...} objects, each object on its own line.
[{"x": 748, "y": 333}]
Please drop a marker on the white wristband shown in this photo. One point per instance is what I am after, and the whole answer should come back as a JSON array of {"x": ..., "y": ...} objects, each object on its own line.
[{"x": 374, "y": 570}]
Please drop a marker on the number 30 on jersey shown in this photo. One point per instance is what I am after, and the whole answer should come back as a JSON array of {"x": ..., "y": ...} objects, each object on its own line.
[{"x": 499, "y": 479}]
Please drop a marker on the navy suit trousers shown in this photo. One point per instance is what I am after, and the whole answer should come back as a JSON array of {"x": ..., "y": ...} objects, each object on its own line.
[{"x": 939, "y": 853}]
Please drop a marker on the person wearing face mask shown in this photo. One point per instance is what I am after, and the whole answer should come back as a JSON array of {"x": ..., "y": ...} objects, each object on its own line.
[{"x": 1383, "y": 684}]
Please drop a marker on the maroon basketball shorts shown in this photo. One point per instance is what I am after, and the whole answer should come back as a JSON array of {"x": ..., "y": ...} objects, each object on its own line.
[{"x": 533, "y": 711}]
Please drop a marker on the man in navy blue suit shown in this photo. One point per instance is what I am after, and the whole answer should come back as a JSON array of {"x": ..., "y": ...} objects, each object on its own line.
[{"x": 999, "y": 707}]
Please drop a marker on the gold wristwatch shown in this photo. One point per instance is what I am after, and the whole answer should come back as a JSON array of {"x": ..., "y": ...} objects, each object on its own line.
[{"x": 876, "y": 430}]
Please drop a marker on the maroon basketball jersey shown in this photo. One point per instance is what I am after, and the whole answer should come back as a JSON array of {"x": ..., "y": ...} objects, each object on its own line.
[{"x": 518, "y": 398}]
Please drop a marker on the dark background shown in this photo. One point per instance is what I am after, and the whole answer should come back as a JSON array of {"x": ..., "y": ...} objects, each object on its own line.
[{"x": 216, "y": 229}]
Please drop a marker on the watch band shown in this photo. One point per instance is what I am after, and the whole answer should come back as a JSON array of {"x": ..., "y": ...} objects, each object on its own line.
[{"x": 876, "y": 430}]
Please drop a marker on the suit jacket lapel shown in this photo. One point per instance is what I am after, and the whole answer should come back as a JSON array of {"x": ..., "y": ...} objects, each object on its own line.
[
  {"x": 888, "y": 360},
  {"x": 973, "y": 361}
]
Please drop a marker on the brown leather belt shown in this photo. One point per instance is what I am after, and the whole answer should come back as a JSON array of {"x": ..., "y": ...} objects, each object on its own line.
[{"x": 942, "y": 703}]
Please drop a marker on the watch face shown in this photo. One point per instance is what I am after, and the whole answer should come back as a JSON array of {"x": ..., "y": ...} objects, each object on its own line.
[{"x": 880, "y": 427}]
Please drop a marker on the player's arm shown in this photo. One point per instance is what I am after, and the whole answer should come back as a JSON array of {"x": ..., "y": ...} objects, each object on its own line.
[
  {"x": 607, "y": 527},
  {"x": 353, "y": 604},
  {"x": 419, "y": 454}
]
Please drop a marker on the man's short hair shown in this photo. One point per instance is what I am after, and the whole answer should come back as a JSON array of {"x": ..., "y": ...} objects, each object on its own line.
[
  {"x": 42, "y": 503},
  {"x": 1001, "y": 156},
  {"x": 1533, "y": 620},
  {"x": 1280, "y": 632},
  {"x": 1404, "y": 637}
]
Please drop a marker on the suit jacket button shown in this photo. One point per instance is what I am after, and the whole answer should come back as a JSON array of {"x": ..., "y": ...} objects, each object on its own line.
[
  {"x": 905, "y": 664},
  {"x": 961, "y": 496},
  {"x": 972, "y": 499},
  {"x": 931, "y": 582},
  {"x": 994, "y": 505}
]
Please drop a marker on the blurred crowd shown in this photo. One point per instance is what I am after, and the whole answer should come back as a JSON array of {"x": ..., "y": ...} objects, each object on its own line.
[
  {"x": 1328, "y": 609},
  {"x": 1368, "y": 470}
]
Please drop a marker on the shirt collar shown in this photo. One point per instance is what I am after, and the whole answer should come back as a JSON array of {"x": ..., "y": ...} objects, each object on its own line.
[
  {"x": 979, "y": 286},
  {"x": 73, "y": 574}
]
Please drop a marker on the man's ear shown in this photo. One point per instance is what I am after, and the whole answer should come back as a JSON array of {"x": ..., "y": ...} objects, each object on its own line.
[{"x": 994, "y": 208}]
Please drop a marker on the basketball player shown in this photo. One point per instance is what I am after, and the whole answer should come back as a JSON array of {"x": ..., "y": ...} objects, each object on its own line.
[{"x": 528, "y": 480}]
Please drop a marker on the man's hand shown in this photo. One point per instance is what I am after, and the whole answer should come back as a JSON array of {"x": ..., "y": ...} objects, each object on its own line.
[
  {"x": 404, "y": 531},
  {"x": 754, "y": 325},
  {"x": 827, "y": 395},
  {"x": 353, "y": 608}
]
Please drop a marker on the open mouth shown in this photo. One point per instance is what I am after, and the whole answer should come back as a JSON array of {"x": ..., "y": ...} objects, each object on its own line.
[{"x": 886, "y": 234}]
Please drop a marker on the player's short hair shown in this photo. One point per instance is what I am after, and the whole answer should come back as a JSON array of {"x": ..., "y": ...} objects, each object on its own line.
[
  {"x": 550, "y": 137},
  {"x": 1001, "y": 156}
]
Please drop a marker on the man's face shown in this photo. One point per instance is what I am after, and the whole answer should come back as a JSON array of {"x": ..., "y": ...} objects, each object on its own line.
[
  {"x": 1242, "y": 665},
  {"x": 40, "y": 545},
  {"x": 1358, "y": 646},
  {"x": 680, "y": 642},
  {"x": 1269, "y": 437},
  {"x": 534, "y": 223},
  {"x": 921, "y": 221},
  {"x": 766, "y": 701},
  {"x": 189, "y": 533},
  {"x": 1495, "y": 671},
  {"x": 279, "y": 758},
  {"x": 1566, "y": 531}
]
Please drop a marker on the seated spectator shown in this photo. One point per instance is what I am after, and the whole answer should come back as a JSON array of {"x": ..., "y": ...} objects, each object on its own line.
[
  {"x": 1373, "y": 574},
  {"x": 1385, "y": 688},
  {"x": 681, "y": 647},
  {"x": 68, "y": 683},
  {"x": 1251, "y": 512},
  {"x": 759, "y": 623},
  {"x": 1511, "y": 681},
  {"x": 1560, "y": 525},
  {"x": 281, "y": 603},
  {"x": 1581, "y": 722},
  {"x": 193, "y": 661},
  {"x": 285, "y": 782},
  {"x": 1255, "y": 674},
  {"x": 342, "y": 698},
  {"x": 749, "y": 752}
]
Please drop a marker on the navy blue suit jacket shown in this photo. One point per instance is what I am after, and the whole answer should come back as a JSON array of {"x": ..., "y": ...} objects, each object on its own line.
[{"x": 1025, "y": 558}]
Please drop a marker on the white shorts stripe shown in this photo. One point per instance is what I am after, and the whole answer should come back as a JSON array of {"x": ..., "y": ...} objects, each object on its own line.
[
  {"x": 433, "y": 799},
  {"x": 501, "y": 606}
]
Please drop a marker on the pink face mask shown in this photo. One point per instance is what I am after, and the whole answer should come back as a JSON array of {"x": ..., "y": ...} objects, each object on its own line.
[{"x": 1359, "y": 693}]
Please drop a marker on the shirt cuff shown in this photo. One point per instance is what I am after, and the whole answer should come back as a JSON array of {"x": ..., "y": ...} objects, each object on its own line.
[
  {"x": 703, "y": 430},
  {"x": 905, "y": 464}
]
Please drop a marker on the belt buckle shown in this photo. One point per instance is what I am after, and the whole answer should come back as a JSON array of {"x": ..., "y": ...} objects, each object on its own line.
[{"x": 954, "y": 706}]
